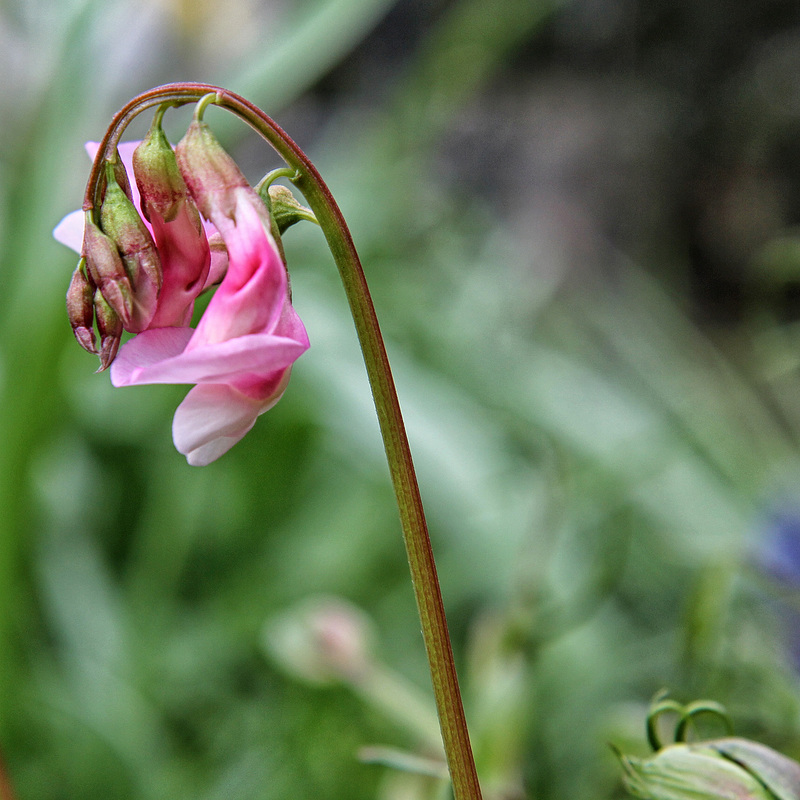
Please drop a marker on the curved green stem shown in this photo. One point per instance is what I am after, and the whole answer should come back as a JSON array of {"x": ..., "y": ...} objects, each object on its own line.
[{"x": 412, "y": 517}]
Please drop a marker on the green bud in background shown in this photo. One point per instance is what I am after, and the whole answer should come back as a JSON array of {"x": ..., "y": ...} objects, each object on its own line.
[
  {"x": 781, "y": 775},
  {"x": 709, "y": 771},
  {"x": 728, "y": 768}
]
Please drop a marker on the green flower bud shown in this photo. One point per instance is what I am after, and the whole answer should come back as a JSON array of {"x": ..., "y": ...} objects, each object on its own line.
[
  {"x": 704, "y": 772},
  {"x": 727, "y": 768},
  {"x": 107, "y": 270},
  {"x": 781, "y": 775},
  {"x": 284, "y": 208},
  {"x": 160, "y": 182},
  {"x": 120, "y": 174},
  {"x": 120, "y": 220},
  {"x": 80, "y": 308},
  {"x": 109, "y": 326},
  {"x": 210, "y": 173}
]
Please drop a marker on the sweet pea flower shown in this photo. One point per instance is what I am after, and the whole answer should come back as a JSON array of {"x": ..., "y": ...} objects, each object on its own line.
[{"x": 241, "y": 353}]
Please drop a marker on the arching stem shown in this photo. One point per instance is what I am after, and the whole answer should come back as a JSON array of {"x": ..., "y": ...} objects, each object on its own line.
[{"x": 412, "y": 517}]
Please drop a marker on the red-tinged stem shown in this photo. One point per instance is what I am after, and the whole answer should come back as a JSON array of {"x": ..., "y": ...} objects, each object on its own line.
[
  {"x": 6, "y": 789},
  {"x": 449, "y": 706}
]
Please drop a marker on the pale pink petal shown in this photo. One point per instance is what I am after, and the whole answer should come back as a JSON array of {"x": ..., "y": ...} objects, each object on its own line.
[
  {"x": 70, "y": 230},
  {"x": 210, "y": 420},
  {"x": 290, "y": 324},
  {"x": 219, "y": 256},
  {"x": 146, "y": 349},
  {"x": 150, "y": 358}
]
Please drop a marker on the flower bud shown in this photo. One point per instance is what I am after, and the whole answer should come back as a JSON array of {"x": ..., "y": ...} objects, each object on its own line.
[
  {"x": 781, "y": 775},
  {"x": 107, "y": 270},
  {"x": 285, "y": 209},
  {"x": 120, "y": 220},
  {"x": 160, "y": 182},
  {"x": 80, "y": 308},
  {"x": 323, "y": 640},
  {"x": 177, "y": 228},
  {"x": 210, "y": 173},
  {"x": 109, "y": 326},
  {"x": 121, "y": 174},
  {"x": 721, "y": 768}
]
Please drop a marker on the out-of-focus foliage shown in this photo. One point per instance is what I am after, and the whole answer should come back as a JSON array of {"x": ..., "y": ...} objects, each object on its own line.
[{"x": 579, "y": 221}]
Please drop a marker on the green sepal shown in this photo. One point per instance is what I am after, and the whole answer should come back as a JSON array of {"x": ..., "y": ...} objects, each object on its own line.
[{"x": 283, "y": 206}]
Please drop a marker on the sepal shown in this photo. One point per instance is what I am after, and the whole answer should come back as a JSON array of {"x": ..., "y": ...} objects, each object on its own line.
[
  {"x": 80, "y": 308},
  {"x": 106, "y": 269},
  {"x": 210, "y": 173},
  {"x": 160, "y": 182},
  {"x": 109, "y": 326},
  {"x": 284, "y": 207},
  {"x": 121, "y": 222}
]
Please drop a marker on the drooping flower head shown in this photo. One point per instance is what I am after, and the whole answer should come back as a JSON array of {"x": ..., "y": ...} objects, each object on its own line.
[
  {"x": 146, "y": 269},
  {"x": 240, "y": 355}
]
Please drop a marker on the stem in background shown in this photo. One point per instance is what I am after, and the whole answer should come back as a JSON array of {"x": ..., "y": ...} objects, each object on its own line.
[
  {"x": 424, "y": 578},
  {"x": 6, "y": 790}
]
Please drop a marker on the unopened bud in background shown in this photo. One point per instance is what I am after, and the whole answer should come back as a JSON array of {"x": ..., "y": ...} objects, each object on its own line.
[
  {"x": 323, "y": 640},
  {"x": 327, "y": 640},
  {"x": 719, "y": 769}
]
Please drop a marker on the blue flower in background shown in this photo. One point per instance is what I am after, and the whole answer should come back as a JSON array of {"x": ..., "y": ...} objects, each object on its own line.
[{"x": 779, "y": 556}]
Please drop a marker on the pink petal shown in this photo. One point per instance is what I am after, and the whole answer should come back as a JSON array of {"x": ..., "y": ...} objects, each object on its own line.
[
  {"x": 70, "y": 230},
  {"x": 211, "y": 419},
  {"x": 219, "y": 256},
  {"x": 185, "y": 261},
  {"x": 251, "y": 297},
  {"x": 150, "y": 357},
  {"x": 290, "y": 325},
  {"x": 146, "y": 349}
]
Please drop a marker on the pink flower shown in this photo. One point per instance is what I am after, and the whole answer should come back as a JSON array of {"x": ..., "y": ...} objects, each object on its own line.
[{"x": 241, "y": 353}]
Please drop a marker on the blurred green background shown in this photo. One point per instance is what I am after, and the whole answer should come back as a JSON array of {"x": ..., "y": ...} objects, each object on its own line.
[{"x": 579, "y": 221}]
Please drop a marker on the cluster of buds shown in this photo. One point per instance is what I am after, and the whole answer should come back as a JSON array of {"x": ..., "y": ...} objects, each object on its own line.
[
  {"x": 137, "y": 271},
  {"x": 147, "y": 254}
]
